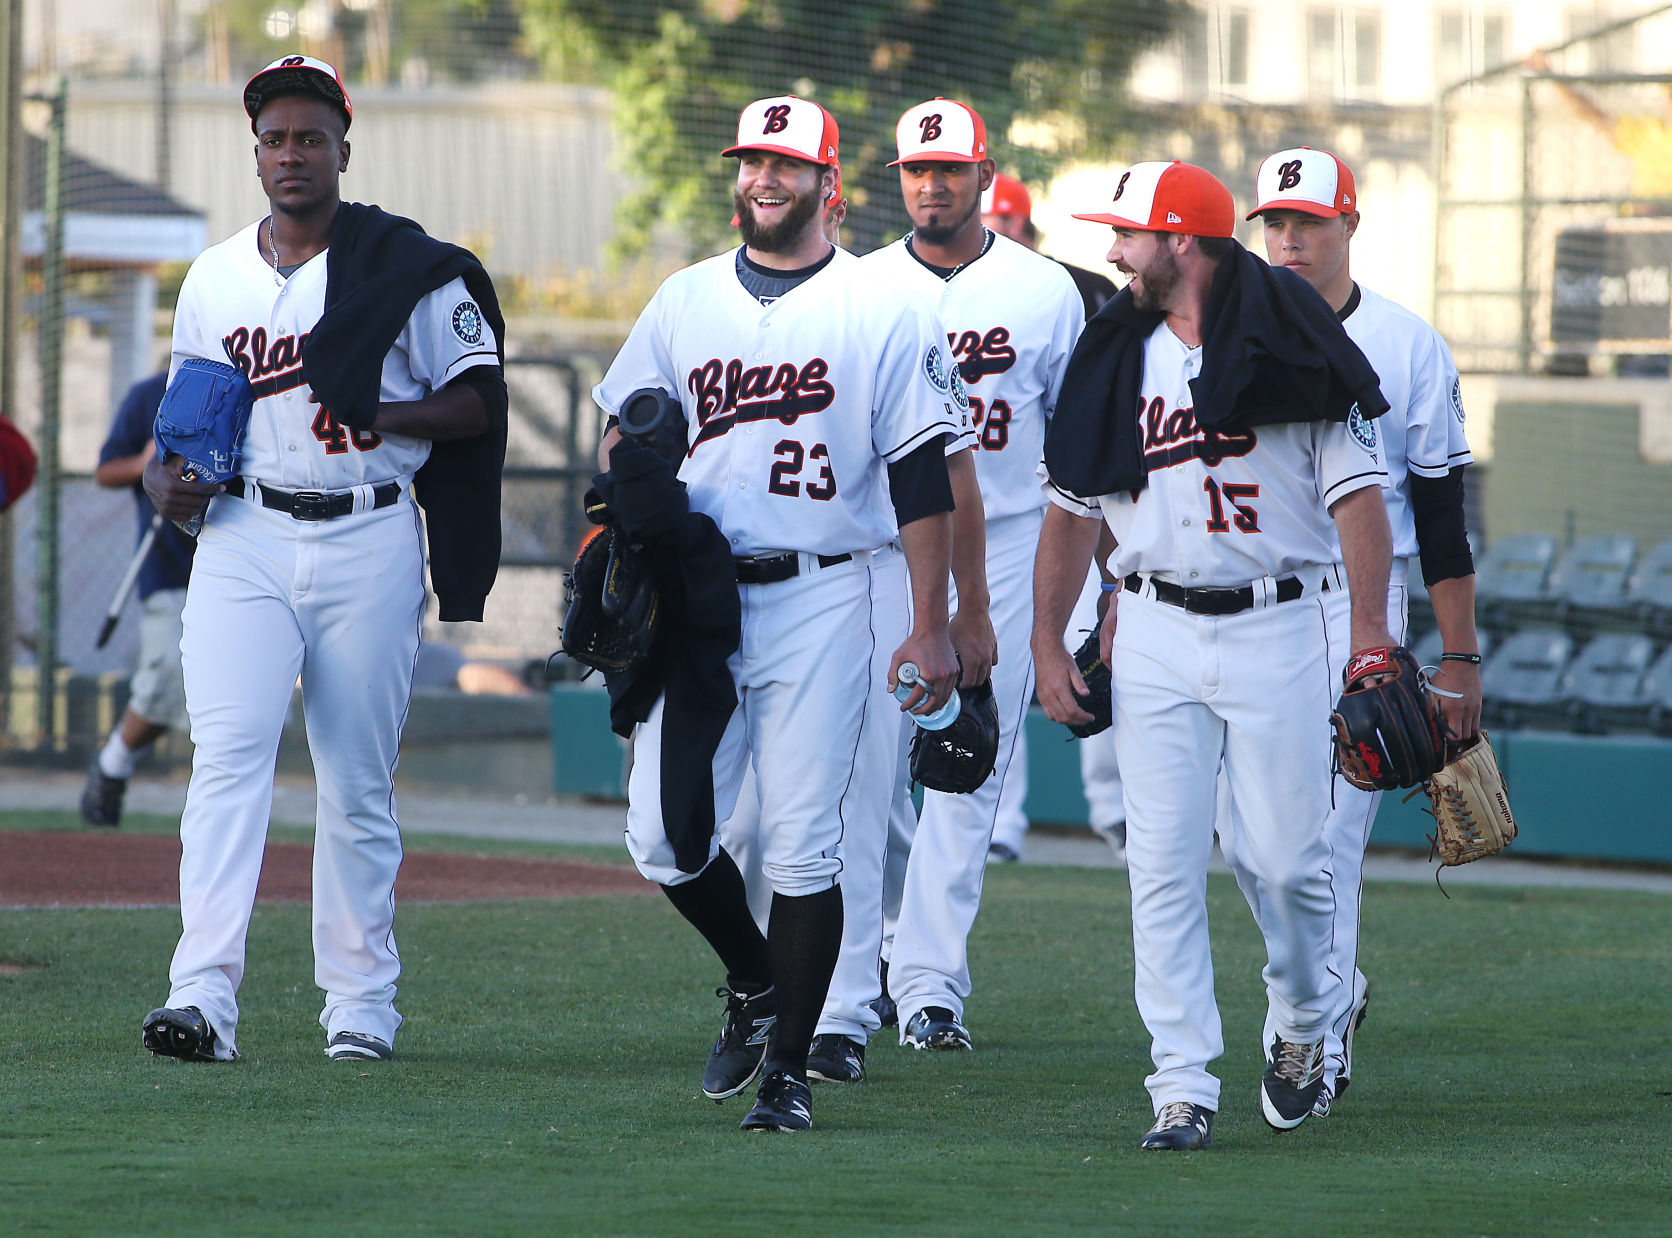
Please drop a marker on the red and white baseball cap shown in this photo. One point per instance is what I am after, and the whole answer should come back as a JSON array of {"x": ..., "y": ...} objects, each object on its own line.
[
  {"x": 940, "y": 131},
  {"x": 1170, "y": 197},
  {"x": 786, "y": 125},
  {"x": 297, "y": 74},
  {"x": 1303, "y": 179},
  {"x": 1007, "y": 196}
]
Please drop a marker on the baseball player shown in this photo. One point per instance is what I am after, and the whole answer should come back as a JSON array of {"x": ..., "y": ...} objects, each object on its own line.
[
  {"x": 1226, "y": 441},
  {"x": 1007, "y": 208},
  {"x": 1010, "y": 318},
  {"x": 156, "y": 694},
  {"x": 311, "y": 562},
  {"x": 814, "y": 402},
  {"x": 1308, "y": 206}
]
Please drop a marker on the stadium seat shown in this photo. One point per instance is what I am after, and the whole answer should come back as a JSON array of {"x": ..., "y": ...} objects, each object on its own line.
[
  {"x": 1656, "y": 691},
  {"x": 1649, "y": 591},
  {"x": 1604, "y": 683},
  {"x": 1589, "y": 583},
  {"x": 1510, "y": 579},
  {"x": 1522, "y": 681}
]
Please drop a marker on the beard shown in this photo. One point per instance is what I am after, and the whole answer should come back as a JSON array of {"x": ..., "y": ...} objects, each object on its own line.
[
  {"x": 945, "y": 229},
  {"x": 779, "y": 237},
  {"x": 1160, "y": 278}
]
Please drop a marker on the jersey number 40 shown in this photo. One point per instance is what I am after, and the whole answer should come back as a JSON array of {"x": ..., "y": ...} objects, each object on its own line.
[{"x": 336, "y": 436}]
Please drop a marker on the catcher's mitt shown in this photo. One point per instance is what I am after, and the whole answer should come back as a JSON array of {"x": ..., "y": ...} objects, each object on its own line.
[
  {"x": 959, "y": 757},
  {"x": 611, "y": 604},
  {"x": 1387, "y": 734},
  {"x": 1100, "y": 703},
  {"x": 1471, "y": 806},
  {"x": 203, "y": 417}
]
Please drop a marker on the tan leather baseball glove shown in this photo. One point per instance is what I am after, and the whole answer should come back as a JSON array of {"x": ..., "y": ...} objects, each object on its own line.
[{"x": 1471, "y": 806}]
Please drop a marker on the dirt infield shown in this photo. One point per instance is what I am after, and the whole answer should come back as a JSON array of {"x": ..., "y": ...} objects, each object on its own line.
[{"x": 56, "y": 869}]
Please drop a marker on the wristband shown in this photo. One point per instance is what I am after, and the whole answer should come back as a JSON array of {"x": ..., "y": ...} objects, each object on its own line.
[
  {"x": 1473, "y": 659},
  {"x": 1109, "y": 586}
]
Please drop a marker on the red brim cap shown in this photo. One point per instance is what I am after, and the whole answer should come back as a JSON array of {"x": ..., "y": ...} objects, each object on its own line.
[{"x": 1293, "y": 204}]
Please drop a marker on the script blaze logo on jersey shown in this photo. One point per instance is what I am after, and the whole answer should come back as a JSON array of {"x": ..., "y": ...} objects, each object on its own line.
[
  {"x": 979, "y": 355},
  {"x": 271, "y": 366},
  {"x": 1172, "y": 438},
  {"x": 728, "y": 395}
]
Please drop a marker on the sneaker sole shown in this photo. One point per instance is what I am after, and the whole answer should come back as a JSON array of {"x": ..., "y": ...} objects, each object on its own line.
[
  {"x": 718, "y": 1097},
  {"x": 813, "y": 1072},
  {"x": 1275, "y": 1119},
  {"x": 355, "y": 1055},
  {"x": 942, "y": 1042}
]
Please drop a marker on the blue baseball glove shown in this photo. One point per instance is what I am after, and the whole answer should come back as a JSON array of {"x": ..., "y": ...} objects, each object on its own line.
[{"x": 203, "y": 417}]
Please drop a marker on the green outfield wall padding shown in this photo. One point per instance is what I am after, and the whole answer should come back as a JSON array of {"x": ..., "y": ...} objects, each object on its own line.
[
  {"x": 587, "y": 757},
  {"x": 1584, "y": 797}
]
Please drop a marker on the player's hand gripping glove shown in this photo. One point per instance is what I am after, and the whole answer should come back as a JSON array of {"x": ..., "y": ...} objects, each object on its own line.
[
  {"x": 611, "y": 604},
  {"x": 1100, "y": 701},
  {"x": 959, "y": 757},
  {"x": 1471, "y": 806},
  {"x": 1387, "y": 734},
  {"x": 202, "y": 418}
]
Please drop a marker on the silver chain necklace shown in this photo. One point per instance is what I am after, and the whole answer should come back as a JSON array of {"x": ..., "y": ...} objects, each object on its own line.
[{"x": 273, "y": 245}]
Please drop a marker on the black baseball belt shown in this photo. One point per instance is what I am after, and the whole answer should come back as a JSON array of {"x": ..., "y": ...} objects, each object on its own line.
[
  {"x": 316, "y": 504},
  {"x": 770, "y": 569},
  {"x": 1215, "y": 601}
]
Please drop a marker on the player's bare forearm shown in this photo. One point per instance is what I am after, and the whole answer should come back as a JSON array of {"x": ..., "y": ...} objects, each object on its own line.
[
  {"x": 454, "y": 412},
  {"x": 1454, "y": 610},
  {"x": 125, "y": 470},
  {"x": 1361, "y": 518},
  {"x": 927, "y": 542},
  {"x": 612, "y": 436},
  {"x": 1066, "y": 543},
  {"x": 972, "y": 633}
]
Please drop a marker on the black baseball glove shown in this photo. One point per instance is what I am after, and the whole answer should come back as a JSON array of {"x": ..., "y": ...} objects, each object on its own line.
[
  {"x": 1100, "y": 701},
  {"x": 959, "y": 757},
  {"x": 1387, "y": 734},
  {"x": 611, "y": 604}
]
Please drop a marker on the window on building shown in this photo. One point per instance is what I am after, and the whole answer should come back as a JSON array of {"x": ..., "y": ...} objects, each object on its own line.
[
  {"x": 1468, "y": 41},
  {"x": 1234, "y": 48},
  {"x": 1323, "y": 52},
  {"x": 1367, "y": 51}
]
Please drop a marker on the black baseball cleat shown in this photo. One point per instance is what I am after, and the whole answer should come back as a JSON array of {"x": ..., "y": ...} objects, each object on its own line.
[
  {"x": 1002, "y": 853},
  {"x": 182, "y": 1033},
  {"x": 783, "y": 1103},
  {"x": 737, "y": 1055},
  {"x": 359, "y": 1046},
  {"x": 936, "y": 1027},
  {"x": 1180, "y": 1127},
  {"x": 101, "y": 797},
  {"x": 883, "y": 1005},
  {"x": 1294, "y": 1079},
  {"x": 836, "y": 1059}
]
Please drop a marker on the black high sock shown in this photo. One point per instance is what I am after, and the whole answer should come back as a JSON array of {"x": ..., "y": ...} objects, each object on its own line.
[
  {"x": 804, "y": 936},
  {"x": 717, "y": 905}
]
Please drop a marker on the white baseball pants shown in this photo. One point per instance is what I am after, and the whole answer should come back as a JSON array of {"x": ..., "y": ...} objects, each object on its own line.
[
  {"x": 340, "y": 603},
  {"x": 1253, "y": 691}
]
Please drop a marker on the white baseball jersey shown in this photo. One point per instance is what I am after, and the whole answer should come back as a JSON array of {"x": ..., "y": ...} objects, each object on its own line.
[
  {"x": 1422, "y": 431},
  {"x": 1224, "y": 509},
  {"x": 233, "y": 307},
  {"x": 1011, "y": 320},
  {"x": 788, "y": 436}
]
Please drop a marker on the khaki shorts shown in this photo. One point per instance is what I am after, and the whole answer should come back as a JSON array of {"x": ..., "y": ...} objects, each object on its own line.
[{"x": 157, "y": 693}]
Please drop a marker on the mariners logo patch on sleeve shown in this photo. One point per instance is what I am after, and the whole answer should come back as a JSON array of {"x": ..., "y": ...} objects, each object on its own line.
[
  {"x": 934, "y": 368},
  {"x": 960, "y": 393},
  {"x": 1457, "y": 397},
  {"x": 1363, "y": 429},
  {"x": 467, "y": 322}
]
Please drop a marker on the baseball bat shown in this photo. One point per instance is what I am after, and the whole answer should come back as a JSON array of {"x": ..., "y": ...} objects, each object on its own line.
[{"x": 114, "y": 614}]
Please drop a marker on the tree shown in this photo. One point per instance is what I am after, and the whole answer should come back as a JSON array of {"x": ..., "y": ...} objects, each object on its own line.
[{"x": 680, "y": 73}]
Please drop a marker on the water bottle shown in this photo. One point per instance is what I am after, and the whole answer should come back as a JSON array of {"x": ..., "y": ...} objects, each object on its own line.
[{"x": 908, "y": 675}]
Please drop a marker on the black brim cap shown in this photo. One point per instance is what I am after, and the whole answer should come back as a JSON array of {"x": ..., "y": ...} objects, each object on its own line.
[{"x": 291, "y": 75}]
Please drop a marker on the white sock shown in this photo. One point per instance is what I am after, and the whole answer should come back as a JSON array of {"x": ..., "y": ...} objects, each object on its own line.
[{"x": 116, "y": 759}]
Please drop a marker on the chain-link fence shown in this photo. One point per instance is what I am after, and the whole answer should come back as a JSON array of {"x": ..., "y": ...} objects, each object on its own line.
[{"x": 573, "y": 144}]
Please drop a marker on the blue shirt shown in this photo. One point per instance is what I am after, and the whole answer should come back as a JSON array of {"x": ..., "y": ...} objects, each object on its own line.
[{"x": 169, "y": 565}]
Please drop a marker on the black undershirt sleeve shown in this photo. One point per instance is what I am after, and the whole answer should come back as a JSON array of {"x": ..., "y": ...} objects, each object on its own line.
[
  {"x": 919, "y": 485},
  {"x": 1442, "y": 539},
  {"x": 489, "y": 383}
]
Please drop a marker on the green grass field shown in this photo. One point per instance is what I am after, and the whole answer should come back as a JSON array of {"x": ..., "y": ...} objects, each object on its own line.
[{"x": 547, "y": 1083}]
